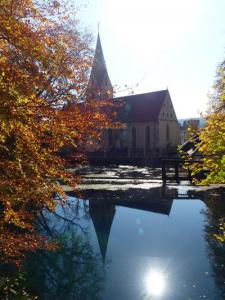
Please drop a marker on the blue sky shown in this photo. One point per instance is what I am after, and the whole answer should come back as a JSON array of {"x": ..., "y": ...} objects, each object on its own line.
[{"x": 157, "y": 44}]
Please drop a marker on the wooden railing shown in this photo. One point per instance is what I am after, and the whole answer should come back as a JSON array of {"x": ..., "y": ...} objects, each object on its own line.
[{"x": 176, "y": 164}]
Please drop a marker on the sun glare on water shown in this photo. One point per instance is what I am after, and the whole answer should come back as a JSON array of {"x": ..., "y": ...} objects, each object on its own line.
[{"x": 155, "y": 283}]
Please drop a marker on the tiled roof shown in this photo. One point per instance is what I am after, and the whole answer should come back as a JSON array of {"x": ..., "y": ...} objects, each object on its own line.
[{"x": 142, "y": 107}]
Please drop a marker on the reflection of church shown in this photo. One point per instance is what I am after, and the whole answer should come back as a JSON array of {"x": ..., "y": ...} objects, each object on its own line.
[
  {"x": 150, "y": 123},
  {"x": 102, "y": 215},
  {"x": 103, "y": 211}
]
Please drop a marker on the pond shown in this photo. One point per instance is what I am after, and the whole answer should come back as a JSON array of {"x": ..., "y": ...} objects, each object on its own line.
[{"x": 129, "y": 237}]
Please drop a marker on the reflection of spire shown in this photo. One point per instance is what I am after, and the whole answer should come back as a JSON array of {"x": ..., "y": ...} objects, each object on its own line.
[
  {"x": 102, "y": 215},
  {"x": 99, "y": 85}
]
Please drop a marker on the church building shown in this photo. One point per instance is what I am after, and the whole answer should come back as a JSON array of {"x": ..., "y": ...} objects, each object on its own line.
[{"x": 150, "y": 127}]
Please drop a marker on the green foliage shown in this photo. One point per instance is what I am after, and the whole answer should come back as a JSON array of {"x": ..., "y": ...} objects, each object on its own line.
[{"x": 211, "y": 144}]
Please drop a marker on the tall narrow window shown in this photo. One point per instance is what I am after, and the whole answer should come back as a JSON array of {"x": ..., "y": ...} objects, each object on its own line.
[
  {"x": 147, "y": 138},
  {"x": 167, "y": 132},
  {"x": 133, "y": 137},
  {"x": 110, "y": 137}
]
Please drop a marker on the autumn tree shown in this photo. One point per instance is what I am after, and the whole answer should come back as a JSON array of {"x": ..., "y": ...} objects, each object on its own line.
[
  {"x": 217, "y": 97},
  {"x": 44, "y": 62},
  {"x": 211, "y": 141}
]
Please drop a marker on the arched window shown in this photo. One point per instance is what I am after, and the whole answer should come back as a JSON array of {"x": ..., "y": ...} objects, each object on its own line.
[
  {"x": 110, "y": 137},
  {"x": 133, "y": 137},
  {"x": 147, "y": 138},
  {"x": 167, "y": 132}
]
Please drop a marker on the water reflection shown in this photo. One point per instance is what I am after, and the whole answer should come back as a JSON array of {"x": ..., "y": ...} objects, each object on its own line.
[
  {"x": 102, "y": 214},
  {"x": 74, "y": 270},
  {"x": 215, "y": 215},
  {"x": 102, "y": 209},
  {"x": 157, "y": 200},
  {"x": 155, "y": 283},
  {"x": 71, "y": 272},
  {"x": 123, "y": 244},
  {"x": 178, "y": 237}
]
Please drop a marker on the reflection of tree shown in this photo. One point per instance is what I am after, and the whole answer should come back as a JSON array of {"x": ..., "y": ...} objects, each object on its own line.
[
  {"x": 72, "y": 271},
  {"x": 214, "y": 214},
  {"x": 74, "y": 213}
]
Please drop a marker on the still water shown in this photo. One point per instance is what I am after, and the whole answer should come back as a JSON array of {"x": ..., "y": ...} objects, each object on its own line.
[{"x": 126, "y": 241}]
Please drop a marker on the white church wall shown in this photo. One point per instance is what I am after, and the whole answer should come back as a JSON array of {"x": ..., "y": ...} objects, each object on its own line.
[
  {"x": 141, "y": 134},
  {"x": 168, "y": 137},
  {"x": 169, "y": 129}
]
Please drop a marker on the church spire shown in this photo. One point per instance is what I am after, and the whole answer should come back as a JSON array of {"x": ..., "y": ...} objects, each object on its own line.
[{"x": 99, "y": 85}]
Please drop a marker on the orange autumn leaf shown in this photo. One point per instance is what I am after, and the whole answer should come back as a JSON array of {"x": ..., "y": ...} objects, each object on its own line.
[{"x": 44, "y": 67}]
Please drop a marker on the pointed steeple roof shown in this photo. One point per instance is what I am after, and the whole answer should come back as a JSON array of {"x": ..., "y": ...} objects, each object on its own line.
[{"x": 99, "y": 85}]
